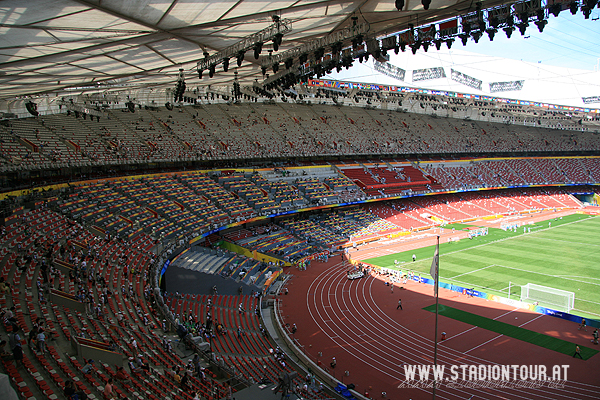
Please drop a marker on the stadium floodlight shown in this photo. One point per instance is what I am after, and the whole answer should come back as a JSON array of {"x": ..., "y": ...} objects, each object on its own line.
[
  {"x": 541, "y": 24},
  {"x": 522, "y": 27},
  {"x": 476, "y": 36},
  {"x": 449, "y": 43},
  {"x": 491, "y": 33},
  {"x": 240, "y": 57},
  {"x": 319, "y": 53},
  {"x": 494, "y": 22},
  {"x": 573, "y": 6},
  {"x": 482, "y": 25},
  {"x": 438, "y": 44},
  {"x": 426, "y": 4},
  {"x": 257, "y": 50},
  {"x": 277, "y": 41},
  {"x": 414, "y": 47},
  {"x": 464, "y": 37},
  {"x": 316, "y": 49},
  {"x": 587, "y": 7},
  {"x": 399, "y": 5},
  {"x": 336, "y": 47},
  {"x": 255, "y": 41},
  {"x": 226, "y": 64},
  {"x": 561, "y": 300},
  {"x": 540, "y": 14},
  {"x": 555, "y": 9},
  {"x": 524, "y": 16},
  {"x": 508, "y": 30}
]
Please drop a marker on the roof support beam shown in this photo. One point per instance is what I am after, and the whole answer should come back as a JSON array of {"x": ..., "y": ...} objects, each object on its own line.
[
  {"x": 136, "y": 21},
  {"x": 148, "y": 46},
  {"x": 83, "y": 53}
]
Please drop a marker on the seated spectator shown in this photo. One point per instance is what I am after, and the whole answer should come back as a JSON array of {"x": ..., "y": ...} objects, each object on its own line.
[
  {"x": 132, "y": 368},
  {"x": 176, "y": 375},
  {"x": 144, "y": 366},
  {"x": 71, "y": 392},
  {"x": 184, "y": 381},
  {"x": 121, "y": 375},
  {"x": 88, "y": 367},
  {"x": 4, "y": 286},
  {"x": 3, "y": 352}
]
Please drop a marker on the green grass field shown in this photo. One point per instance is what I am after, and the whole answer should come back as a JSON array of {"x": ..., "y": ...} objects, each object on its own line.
[{"x": 565, "y": 256}]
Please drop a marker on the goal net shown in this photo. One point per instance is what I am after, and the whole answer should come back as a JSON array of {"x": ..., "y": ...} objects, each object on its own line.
[{"x": 561, "y": 300}]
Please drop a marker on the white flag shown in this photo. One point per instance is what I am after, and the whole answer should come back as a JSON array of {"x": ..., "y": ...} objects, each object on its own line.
[{"x": 435, "y": 264}]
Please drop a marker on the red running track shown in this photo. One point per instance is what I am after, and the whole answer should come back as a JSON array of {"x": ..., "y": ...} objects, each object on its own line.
[{"x": 357, "y": 323}]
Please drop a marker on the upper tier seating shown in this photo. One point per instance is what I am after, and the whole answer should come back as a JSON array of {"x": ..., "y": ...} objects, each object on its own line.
[{"x": 247, "y": 131}]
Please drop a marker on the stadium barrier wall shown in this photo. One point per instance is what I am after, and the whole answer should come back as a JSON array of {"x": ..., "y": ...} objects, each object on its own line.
[
  {"x": 271, "y": 280},
  {"x": 492, "y": 297},
  {"x": 311, "y": 257},
  {"x": 317, "y": 368},
  {"x": 251, "y": 253},
  {"x": 65, "y": 299},
  {"x": 511, "y": 302}
]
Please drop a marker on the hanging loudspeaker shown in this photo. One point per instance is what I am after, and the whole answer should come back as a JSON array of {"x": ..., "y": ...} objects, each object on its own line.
[{"x": 32, "y": 108}]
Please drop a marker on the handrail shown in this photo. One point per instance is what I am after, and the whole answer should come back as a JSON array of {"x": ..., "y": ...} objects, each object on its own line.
[{"x": 324, "y": 374}]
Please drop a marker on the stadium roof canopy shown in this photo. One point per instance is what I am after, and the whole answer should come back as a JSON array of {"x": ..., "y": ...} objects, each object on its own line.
[{"x": 53, "y": 46}]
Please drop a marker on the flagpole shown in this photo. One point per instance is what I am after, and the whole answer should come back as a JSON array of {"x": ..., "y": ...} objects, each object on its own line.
[{"x": 436, "y": 284}]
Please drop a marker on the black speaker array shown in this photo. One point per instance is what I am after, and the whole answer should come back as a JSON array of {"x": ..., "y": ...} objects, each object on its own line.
[{"x": 32, "y": 108}]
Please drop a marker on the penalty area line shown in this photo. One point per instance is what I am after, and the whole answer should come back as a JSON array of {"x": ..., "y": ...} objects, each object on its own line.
[{"x": 475, "y": 270}]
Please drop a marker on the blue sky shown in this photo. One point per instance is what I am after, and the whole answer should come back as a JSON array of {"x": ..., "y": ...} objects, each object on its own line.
[
  {"x": 568, "y": 41},
  {"x": 558, "y": 66}
]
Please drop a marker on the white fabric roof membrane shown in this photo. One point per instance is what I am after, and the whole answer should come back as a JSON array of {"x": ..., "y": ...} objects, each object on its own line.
[{"x": 50, "y": 45}]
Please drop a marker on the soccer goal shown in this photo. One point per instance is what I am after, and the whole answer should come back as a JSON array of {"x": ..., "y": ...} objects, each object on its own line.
[{"x": 561, "y": 300}]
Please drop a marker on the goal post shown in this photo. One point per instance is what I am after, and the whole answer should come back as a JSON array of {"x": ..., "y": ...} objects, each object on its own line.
[
  {"x": 561, "y": 300},
  {"x": 510, "y": 286}
]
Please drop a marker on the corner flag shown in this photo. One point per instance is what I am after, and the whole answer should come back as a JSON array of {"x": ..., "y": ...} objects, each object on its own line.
[{"x": 435, "y": 266}]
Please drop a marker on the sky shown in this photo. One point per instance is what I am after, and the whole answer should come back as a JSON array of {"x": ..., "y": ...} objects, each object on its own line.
[{"x": 559, "y": 66}]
